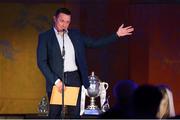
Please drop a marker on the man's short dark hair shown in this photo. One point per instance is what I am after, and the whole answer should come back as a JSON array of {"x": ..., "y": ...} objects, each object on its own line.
[{"x": 62, "y": 10}]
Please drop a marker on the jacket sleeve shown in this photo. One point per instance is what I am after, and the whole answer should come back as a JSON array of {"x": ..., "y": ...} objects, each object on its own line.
[
  {"x": 42, "y": 60},
  {"x": 101, "y": 42}
]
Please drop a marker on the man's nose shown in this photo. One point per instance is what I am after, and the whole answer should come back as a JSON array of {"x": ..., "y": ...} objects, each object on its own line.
[{"x": 64, "y": 25}]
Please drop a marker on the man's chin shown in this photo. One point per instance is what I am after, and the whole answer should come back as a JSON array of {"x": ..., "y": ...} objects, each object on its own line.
[{"x": 60, "y": 30}]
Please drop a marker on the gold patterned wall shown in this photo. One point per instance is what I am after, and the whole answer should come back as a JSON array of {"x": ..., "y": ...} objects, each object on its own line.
[{"x": 21, "y": 83}]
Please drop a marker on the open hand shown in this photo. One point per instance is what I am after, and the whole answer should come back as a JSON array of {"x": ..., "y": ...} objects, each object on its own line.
[{"x": 124, "y": 31}]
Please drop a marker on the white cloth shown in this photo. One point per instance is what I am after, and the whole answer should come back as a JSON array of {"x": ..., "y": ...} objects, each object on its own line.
[
  {"x": 166, "y": 104},
  {"x": 171, "y": 103},
  {"x": 103, "y": 92},
  {"x": 83, "y": 98}
]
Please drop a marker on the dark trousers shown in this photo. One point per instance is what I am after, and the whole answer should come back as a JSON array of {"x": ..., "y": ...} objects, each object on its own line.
[{"x": 71, "y": 79}]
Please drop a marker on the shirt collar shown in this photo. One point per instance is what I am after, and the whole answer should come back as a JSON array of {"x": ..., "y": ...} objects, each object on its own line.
[{"x": 59, "y": 32}]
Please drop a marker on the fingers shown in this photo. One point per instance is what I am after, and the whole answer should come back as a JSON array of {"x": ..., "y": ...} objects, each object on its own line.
[
  {"x": 122, "y": 26},
  {"x": 60, "y": 88},
  {"x": 129, "y": 34},
  {"x": 130, "y": 30},
  {"x": 128, "y": 27}
]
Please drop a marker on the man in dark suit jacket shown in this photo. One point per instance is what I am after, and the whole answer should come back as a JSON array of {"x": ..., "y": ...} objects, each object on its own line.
[{"x": 56, "y": 56}]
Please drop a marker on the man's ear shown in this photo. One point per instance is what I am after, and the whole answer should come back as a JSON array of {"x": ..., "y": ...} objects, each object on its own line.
[{"x": 54, "y": 18}]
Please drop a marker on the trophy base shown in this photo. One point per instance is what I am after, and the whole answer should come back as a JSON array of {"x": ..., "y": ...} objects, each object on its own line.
[{"x": 92, "y": 112}]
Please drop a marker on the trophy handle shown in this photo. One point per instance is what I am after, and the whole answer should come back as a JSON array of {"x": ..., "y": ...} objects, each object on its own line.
[
  {"x": 103, "y": 87},
  {"x": 106, "y": 85}
]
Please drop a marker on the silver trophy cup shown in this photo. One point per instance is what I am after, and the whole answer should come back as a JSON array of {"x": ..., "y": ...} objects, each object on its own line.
[{"x": 95, "y": 90}]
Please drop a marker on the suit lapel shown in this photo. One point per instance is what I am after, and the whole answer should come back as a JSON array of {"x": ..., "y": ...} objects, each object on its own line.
[
  {"x": 55, "y": 41},
  {"x": 74, "y": 41}
]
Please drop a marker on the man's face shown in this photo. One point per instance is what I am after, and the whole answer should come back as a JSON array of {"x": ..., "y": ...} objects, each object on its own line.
[{"x": 62, "y": 21}]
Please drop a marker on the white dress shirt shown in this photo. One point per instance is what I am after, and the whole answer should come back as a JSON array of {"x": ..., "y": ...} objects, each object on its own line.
[{"x": 69, "y": 58}]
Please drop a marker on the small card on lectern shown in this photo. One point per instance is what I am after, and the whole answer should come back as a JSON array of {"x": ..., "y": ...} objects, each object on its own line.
[{"x": 70, "y": 96}]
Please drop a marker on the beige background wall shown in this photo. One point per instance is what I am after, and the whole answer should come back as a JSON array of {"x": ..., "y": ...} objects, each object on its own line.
[{"x": 22, "y": 85}]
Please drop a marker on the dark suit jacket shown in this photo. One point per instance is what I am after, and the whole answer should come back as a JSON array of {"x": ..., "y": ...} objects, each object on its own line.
[{"x": 50, "y": 60}]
